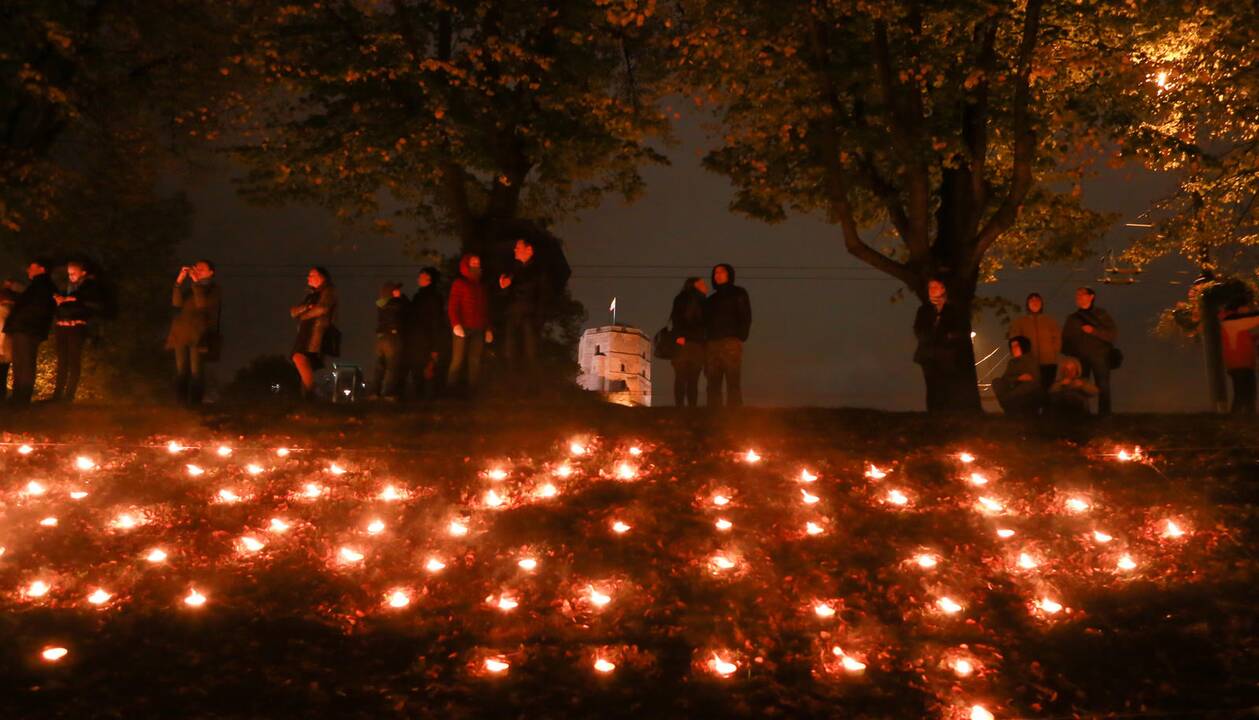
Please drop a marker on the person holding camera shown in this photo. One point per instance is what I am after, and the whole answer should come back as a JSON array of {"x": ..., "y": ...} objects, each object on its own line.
[{"x": 194, "y": 335}]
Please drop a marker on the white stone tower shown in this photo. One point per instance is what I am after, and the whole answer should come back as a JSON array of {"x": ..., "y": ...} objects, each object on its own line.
[{"x": 616, "y": 362}]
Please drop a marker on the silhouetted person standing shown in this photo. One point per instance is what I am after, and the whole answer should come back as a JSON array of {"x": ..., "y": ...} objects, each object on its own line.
[
  {"x": 687, "y": 321},
  {"x": 943, "y": 333},
  {"x": 526, "y": 288},
  {"x": 78, "y": 312},
  {"x": 194, "y": 333},
  {"x": 1089, "y": 335},
  {"x": 314, "y": 316},
  {"x": 1045, "y": 335},
  {"x": 469, "y": 313},
  {"x": 391, "y": 310},
  {"x": 28, "y": 326},
  {"x": 727, "y": 321},
  {"x": 1237, "y": 327},
  {"x": 424, "y": 333},
  {"x": 7, "y": 297}
]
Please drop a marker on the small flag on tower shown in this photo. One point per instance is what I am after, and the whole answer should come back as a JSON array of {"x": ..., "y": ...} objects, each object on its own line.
[{"x": 612, "y": 307}]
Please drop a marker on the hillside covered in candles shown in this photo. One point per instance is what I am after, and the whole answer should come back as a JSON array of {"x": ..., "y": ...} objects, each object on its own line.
[{"x": 625, "y": 563}]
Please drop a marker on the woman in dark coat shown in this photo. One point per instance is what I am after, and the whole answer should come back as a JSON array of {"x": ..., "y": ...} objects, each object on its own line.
[
  {"x": 315, "y": 315},
  {"x": 687, "y": 320}
]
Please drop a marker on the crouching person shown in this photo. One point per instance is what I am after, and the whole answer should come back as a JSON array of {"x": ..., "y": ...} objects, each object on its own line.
[
  {"x": 1071, "y": 395},
  {"x": 1019, "y": 389}
]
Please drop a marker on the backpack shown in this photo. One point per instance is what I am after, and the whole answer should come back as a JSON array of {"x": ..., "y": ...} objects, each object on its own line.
[{"x": 665, "y": 344}]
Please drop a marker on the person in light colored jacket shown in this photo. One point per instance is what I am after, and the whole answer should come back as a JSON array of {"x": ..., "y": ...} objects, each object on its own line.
[{"x": 1044, "y": 333}]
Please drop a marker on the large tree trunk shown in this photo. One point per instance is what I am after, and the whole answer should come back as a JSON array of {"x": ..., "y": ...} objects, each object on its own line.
[{"x": 966, "y": 392}]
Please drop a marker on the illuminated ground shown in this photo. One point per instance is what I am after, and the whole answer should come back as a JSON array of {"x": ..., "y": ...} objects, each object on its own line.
[{"x": 691, "y": 580}]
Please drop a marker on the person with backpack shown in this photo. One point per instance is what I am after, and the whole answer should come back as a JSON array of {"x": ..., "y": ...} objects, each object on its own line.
[
  {"x": 391, "y": 310},
  {"x": 28, "y": 325},
  {"x": 194, "y": 332},
  {"x": 727, "y": 322},
  {"x": 316, "y": 334},
  {"x": 469, "y": 314},
  {"x": 686, "y": 321},
  {"x": 1089, "y": 336},
  {"x": 77, "y": 315},
  {"x": 1045, "y": 335},
  {"x": 424, "y": 331}
]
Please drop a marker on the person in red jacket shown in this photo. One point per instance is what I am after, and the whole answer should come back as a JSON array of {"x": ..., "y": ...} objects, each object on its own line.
[
  {"x": 469, "y": 312},
  {"x": 1237, "y": 326}
]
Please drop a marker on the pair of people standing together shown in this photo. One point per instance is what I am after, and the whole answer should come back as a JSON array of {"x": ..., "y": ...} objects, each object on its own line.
[{"x": 709, "y": 332}]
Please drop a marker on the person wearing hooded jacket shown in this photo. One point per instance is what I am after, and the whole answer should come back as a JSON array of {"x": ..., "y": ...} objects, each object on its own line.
[
  {"x": 469, "y": 314},
  {"x": 1089, "y": 335},
  {"x": 687, "y": 321},
  {"x": 424, "y": 332},
  {"x": 727, "y": 321},
  {"x": 28, "y": 325},
  {"x": 1045, "y": 335}
]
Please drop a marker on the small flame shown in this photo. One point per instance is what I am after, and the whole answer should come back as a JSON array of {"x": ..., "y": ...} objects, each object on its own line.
[
  {"x": 312, "y": 490},
  {"x": 813, "y": 528},
  {"x": 434, "y": 565},
  {"x": 350, "y": 555},
  {"x": 279, "y": 525},
  {"x": 84, "y": 463},
  {"x": 963, "y": 667},
  {"x": 50, "y": 521},
  {"x": 721, "y": 666},
  {"x": 457, "y": 529},
  {"x": 99, "y": 597},
  {"x": 1049, "y": 606},
  {"x": 493, "y": 499},
  {"x": 1126, "y": 563},
  {"x": 720, "y": 500},
  {"x": 752, "y": 456},
  {"x": 620, "y": 528},
  {"x": 25, "y": 450},
  {"x": 1077, "y": 504},
  {"x": 926, "y": 561},
  {"x": 896, "y": 497},
  {"x": 335, "y": 469},
  {"x": 194, "y": 470},
  {"x": 625, "y": 471},
  {"x": 806, "y": 476},
  {"x": 1005, "y": 533},
  {"x": 282, "y": 452},
  {"x": 874, "y": 473},
  {"x": 635, "y": 451},
  {"x": 497, "y": 474},
  {"x": 848, "y": 662},
  {"x": 375, "y": 527},
  {"x": 224, "y": 451},
  {"x": 390, "y": 494},
  {"x": 528, "y": 564},
  {"x": 1134, "y": 455},
  {"x": 53, "y": 654},
  {"x": 547, "y": 491},
  {"x": 979, "y": 712},
  {"x": 156, "y": 555},
  {"x": 35, "y": 489},
  {"x": 194, "y": 598},
  {"x": 978, "y": 479},
  {"x": 965, "y": 458},
  {"x": 174, "y": 447},
  {"x": 251, "y": 544},
  {"x": 809, "y": 498},
  {"x": 576, "y": 448},
  {"x": 823, "y": 610},
  {"x": 1027, "y": 562},
  {"x": 1172, "y": 530},
  {"x": 78, "y": 494},
  {"x": 228, "y": 496},
  {"x": 496, "y": 665},
  {"x": 37, "y": 589},
  {"x": 948, "y": 605},
  {"x": 721, "y": 562},
  {"x": 564, "y": 471},
  {"x": 506, "y": 603},
  {"x": 599, "y": 599},
  {"x": 604, "y": 666},
  {"x": 1102, "y": 537},
  {"x": 989, "y": 505},
  {"x": 398, "y": 599},
  {"x": 254, "y": 469}
]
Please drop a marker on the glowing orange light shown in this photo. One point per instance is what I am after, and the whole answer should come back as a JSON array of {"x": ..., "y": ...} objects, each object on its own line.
[
  {"x": 965, "y": 458},
  {"x": 849, "y": 663},
  {"x": 1130, "y": 456},
  {"x": 156, "y": 555},
  {"x": 250, "y": 544},
  {"x": 174, "y": 447},
  {"x": 963, "y": 667},
  {"x": 948, "y": 605},
  {"x": 979, "y": 712},
  {"x": 723, "y": 524},
  {"x": 978, "y": 479},
  {"x": 457, "y": 529},
  {"x": 49, "y": 521},
  {"x": 989, "y": 505},
  {"x": 721, "y": 562},
  {"x": 564, "y": 471},
  {"x": 1049, "y": 606},
  {"x": 493, "y": 499},
  {"x": 194, "y": 598},
  {"x": 823, "y": 610},
  {"x": 349, "y": 555},
  {"x": 1027, "y": 562},
  {"x": 1077, "y": 504},
  {"x": 254, "y": 469},
  {"x": 874, "y": 473},
  {"x": 1102, "y": 537},
  {"x": 547, "y": 490},
  {"x": 625, "y": 471},
  {"x": 722, "y": 666},
  {"x": 194, "y": 470},
  {"x": 335, "y": 469},
  {"x": 25, "y": 450},
  {"x": 312, "y": 490},
  {"x": 53, "y": 654},
  {"x": 806, "y": 476},
  {"x": 506, "y": 603},
  {"x": 1126, "y": 563},
  {"x": 1005, "y": 533},
  {"x": 1172, "y": 530},
  {"x": 34, "y": 489},
  {"x": 99, "y": 597},
  {"x": 635, "y": 450},
  {"x": 398, "y": 599},
  {"x": 752, "y": 456},
  {"x": 228, "y": 496},
  {"x": 390, "y": 494},
  {"x": 434, "y": 565},
  {"x": 599, "y": 599},
  {"x": 78, "y": 494},
  {"x": 604, "y": 666},
  {"x": 720, "y": 500},
  {"x": 926, "y": 560},
  {"x": 576, "y": 448},
  {"x": 84, "y": 463},
  {"x": 279, "y": 525},
  {"x": 38, "y": 589},
  {"x": 496, "y": 665},
  {"x": 896, "y": 497},
  {"x": 497, "y": 474},
  {"x": 809, "y": 498},
  {"x": 375, "y": 527},
  {"x": 620, "y": 528},
  {"x": 224, "y": 451},
  {"x": 528, "y": 564},
  {"x": 125, "y": 521},
  {"x": 813, "y": 528},
  {"x": 282, "y": 452}
]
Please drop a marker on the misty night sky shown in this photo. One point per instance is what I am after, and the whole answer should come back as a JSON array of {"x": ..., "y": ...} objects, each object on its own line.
[{"x": 824, "y": 329}]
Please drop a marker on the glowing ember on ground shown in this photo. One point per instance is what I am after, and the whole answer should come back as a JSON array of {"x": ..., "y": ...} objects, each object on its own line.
[
  {"x": 1027, "y": 562},
  {"x": 398, "y": 599},
  {"x": 897, "y": 497},
  {"x": 978, "y": 479},
  {"x": 752, "y": 456},
  {"x": 720, "y": 500},
  {"x": 1172, "y": 530},
  {"x": 349, "y": 555},
  {"x": 174, "y": 447},
  {"x": 194, "y": 470},
  {"x": 813, "y": 528},
  {"x": 824, "y": 610},
  {"x": 311, "y": 491},
  {"x": 1102, "y": 537},
  {"x": 547, "y": 490},
  {"x": 434, "y": 565},
  {"x": 576, "y": 448},
  {"x": 809, "y": 498},
  {"x": 194, "y": 598},
  {"x": 38, "y": 589},
  {"x": 390, "y": 494},
  {"x": 604, "y": 666},
  {"x": 278, "y": 525},
  {"x": 335, "y": 469},
  {"x": 528, "y": 564},
  {"x": 806, "y": 476},
  {"x": 723, "y": 524},
  {"x": 25, "y": 450},
  {"x": 493, "y": 499},
  {"x": 874, "y": 473},
  {"x": 721, "y": 562},
  {"x": 979, "y": 712},
  {"x": 625, "y": 471},
  {"x": 620, "y": 528},
  {"x": 50, "y": 521},
  {"x": 282, "y": 452},
  {"x": 635, "y": 451},
  {"x": 224, "y": 451},
  {"x": 250, "y": 544},
  {"x": 721, "y": 666},
  {"x": 227, "y": 495},
  {"x": 965, "y": 458},
  {"x": 1077, "y": 504},
  {"x": 948, "y": 605},
  {"x": 254, "y": 469},
  {"x": 34, "y": 489},
  {"x": 156, "y": 555},
  {"x": 1048, "y": 606},
  {"x": 496, "y": 665},
  {"x": 53, "y": 654},
  {"x": 989, "y": 505},
  {"x": 496, "y": 474},
  {"x": 375, "y": 527},
  {"x": 1133, "y": 455},
  {"x": 78, "y": 494},
  {"x": 926, "y": 560},
  {"x": 599, "y": 599},
  {"x": 99, "y": 597},
  {"x": 1126, "y": 563},
  {"x": 84, "y": 463},
  {"x": 457, "y": 529},
  {"x": 963, "y": 667},
  {"x": 1005, "y": 533},
  {"x": 848, "y": 662},
  {"x": 125, "y": 521},
  {"x": 506, "y": 603},
  {"x": 564, "y": 471}
]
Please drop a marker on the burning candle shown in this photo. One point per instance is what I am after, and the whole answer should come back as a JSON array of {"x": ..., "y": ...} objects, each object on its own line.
[
  {"x": 390, "y": 494},
  {"x": 965, "y": 458},
  {"x": 25, "y": 450},
  {"x": 78, "y": 494},
  {"x": 375, "y": 527},
  {"x": 1077, "y": 504},
  {"x": 926, "y": 561},
  {"x": 823, "y": 610},
  {"x": 194, "y": 470},
  {"x": 1048, "y": 606},
  {"x": 228, "y": 496},
  {"x": 497, "y": 474},
  {"x": 1102, "y": 537},
  {"x": 53, "y": 654},
  {"x": 38, "y": 589},
  {"x": 978, "y": 479},
  {"x": 1027, "y": 562},
  {"x": 604, "y": 666},
  {"x": 963, "y": 667},
  {"x": 564, "y": 471},
  {"x": 848, "y": 662},
  {"x": 625, "y": 471},
  {"x": 254, "y": 469},
  {"x": 721, "y": 666},
  {"x": 34, "y": 488},
  {"x": 989, "y": 505},
  {"x": 720, "y": 500},
  {"x": 250, "y": 544},
  {"x": 721, "y": 562},
  {"x": 84, "y": 463},
  {"x": 335, "y": 469},
  {"x": 507, "y": 603},
  {"x": 576, "y": 448},
  {"x": 349, "y": 555},
  {"x": 279, "y": 525},
  {"x": 528, "y": 564},
  {"x": 125, "y": 521},
  {"x": 50, "y": 521},
  {"x": 224, "y": 451},
  {"x": 635, "y": 450},
  {"x": 812, "y": 528},
  {"x": 620, "y": 528},
  {"x": 99, "y": 597},
  {"x": 547, "y": 490},
  {"x": 1172, "y": 530},
  {"x": 723, "y": 524},
  {"x": 599, "y": 599},
  {"x": 948, "y": 605},
  {"x": 1126, "y": 563},
  {"x": 874, "y": 473},
  {"x": 896, "y": 497},
  {"x": 1005, "y": 533},
  {"x": 497, "y": 665},
  {"x": 398, "y": 599},
  {"x": 979, "y": 712},
  {"x": 282, "y": 452},
  {"x": 806, "y": 476},
  {"x": 457, "y": 529},
  {"x": 752, "y": 456},
  {"x": 174, "y": 447},
  {"x": 809, "y": 498},
  {"x": 311, "y": 490},
  {"x": 493, "y": 499},
  {"x": 194, "y": 598},
  {"x": 434, "y": 565},
  {"x": 1130, "y": 456},
  {"x": 156, "y": 555}
]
